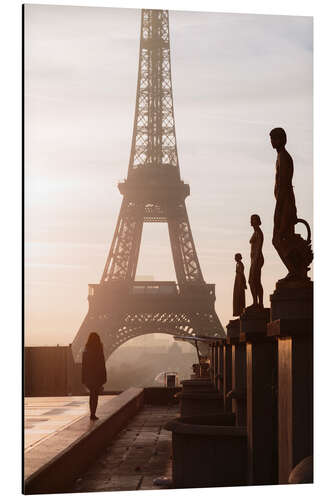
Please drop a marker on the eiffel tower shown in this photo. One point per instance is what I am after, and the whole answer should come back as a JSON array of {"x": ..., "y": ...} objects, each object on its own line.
[{"x": 121, "y": 308}]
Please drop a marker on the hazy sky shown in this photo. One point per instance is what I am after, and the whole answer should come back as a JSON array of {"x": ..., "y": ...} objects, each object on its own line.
[{"x": 235, "y": 77}]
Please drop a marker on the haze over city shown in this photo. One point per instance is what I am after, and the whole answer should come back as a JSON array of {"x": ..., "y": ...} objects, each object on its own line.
[{"x": 229, "y": 91}]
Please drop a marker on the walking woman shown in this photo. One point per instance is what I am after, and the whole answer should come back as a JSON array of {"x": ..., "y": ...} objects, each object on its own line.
[{"x": 93, "y": 370}]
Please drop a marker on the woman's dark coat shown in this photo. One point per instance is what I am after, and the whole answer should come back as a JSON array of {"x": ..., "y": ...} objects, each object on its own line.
[{"x": 93, "y": 367}]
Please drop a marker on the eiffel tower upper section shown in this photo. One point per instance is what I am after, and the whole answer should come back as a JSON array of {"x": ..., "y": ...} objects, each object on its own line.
[
  {"x": 154, "y": 137},
  {"x": 153, "y": 190}
]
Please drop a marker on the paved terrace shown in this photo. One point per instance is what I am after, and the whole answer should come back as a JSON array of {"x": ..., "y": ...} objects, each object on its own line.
[
  {"x": 139, "y": 453},
  {"x": 46, "y": 416}
]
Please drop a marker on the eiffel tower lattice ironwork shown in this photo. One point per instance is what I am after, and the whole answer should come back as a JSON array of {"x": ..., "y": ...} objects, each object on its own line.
[{"x": 121, "y": 308}]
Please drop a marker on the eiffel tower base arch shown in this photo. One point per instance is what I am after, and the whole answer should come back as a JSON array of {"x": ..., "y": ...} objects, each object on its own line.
[{"x": 130, "y": 315}]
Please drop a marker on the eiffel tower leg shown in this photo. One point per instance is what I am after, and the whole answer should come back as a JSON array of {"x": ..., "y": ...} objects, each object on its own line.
[
  {"x": 103, "y": 324},
  {"x": 123, "y": 256},
  {"x": 185, "y": 257},
  {"x": 206, "y": 323}
]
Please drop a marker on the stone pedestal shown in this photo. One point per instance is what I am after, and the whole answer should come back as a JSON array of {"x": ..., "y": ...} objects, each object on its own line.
[
  {"x": 197, "y": 385},
  {"x": 232, "y": 328},
  {"x": 207, "y": 451},
  {"x": 292, "y": 325},
  {"x": 220, "y": 367},
  {"x": 239, "y": 382},
  {"x": 214, "y": 364},
  {"x": 261, "y": 368},
  {"x": 201, "y": 403},
  {"x": 238, "y": 372}
]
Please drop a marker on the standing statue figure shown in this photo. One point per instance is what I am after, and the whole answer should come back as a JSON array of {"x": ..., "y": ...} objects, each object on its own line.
[
  {"x": 257, "y": 261},
  {"x": 294, "y": 251},
  {"x": 239, "y": 287}
]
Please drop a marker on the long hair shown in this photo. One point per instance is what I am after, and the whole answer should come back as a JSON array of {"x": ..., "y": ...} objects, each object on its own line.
[
  {"x": 257, "y": 218},
  {"x": 93, "y": 342}
]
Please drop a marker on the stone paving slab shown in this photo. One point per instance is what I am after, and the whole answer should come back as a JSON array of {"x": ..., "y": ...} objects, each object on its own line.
[
  {"x": 46, "y": 416},
  {"x": 140, "y": 453}
]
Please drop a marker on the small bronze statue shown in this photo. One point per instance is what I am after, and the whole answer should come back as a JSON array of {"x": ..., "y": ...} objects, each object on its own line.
[
  {"x": 257, "y": 261},
  {"x": 239, "y": 287},
  {"x": 294, "y": 251}
]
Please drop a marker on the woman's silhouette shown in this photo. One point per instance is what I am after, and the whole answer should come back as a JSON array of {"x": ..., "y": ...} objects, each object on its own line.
[
  {"x": 257, "y": 261},
  {"x": 93, "y": 370},
  {"x": 239, "y": 287}
]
